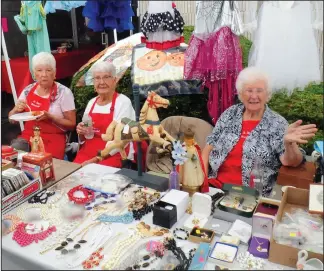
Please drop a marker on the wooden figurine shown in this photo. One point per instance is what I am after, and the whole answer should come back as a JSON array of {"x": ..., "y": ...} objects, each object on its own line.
[
  {"x": 36, "y": 142},
  {"x": 192, "y": 173},
  {"x": 148, "y": 128}
]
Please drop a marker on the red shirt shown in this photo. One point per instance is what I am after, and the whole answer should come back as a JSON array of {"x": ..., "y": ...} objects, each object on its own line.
[{"x": 231, "y": 169}]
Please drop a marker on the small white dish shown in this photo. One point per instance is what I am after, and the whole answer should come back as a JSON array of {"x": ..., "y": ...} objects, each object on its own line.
[{"x": 25, "y": 116}]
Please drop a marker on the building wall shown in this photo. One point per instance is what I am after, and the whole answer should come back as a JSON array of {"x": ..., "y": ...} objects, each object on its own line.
[{"x": 188, "y": 10}]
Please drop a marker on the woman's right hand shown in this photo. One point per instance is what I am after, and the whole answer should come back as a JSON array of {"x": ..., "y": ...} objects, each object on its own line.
[
  {"x": 20, "y": 106},
  {"x": 81, "y": 130}
]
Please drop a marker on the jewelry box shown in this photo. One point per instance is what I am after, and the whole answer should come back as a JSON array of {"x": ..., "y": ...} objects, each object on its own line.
[
  {"x": 169, "y": 209},
  {"x": 240, "y": 200},
  {"x": 198, "y": 235},
  {"x": 261, "y": 234},
  {"x": 219, "y": 226},
  {"x": 200, "y": 258},
  {"x": 224, "y": 252},
  {"x": 201, "y": 210}
]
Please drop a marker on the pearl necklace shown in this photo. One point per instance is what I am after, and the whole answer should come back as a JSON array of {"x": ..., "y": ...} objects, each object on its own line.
[
  {"x": 24, "y": 239},
  {"x": 122, "y": 247}
]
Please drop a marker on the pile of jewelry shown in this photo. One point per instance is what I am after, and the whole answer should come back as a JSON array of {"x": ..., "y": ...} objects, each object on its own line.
[
  {"x": 249, "y": 262},
  {"x": 147, "y": 231},
  {"x": 170, "y": 244},
  {"x": 142, "y": 204}
]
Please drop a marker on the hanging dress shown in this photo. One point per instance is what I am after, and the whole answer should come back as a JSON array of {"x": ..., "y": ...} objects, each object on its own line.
[
  {"x": 162, "y": 26},
  {"x": 214, "y": 54},
  {"x": 285, "y": 47},
  {"x": 52, "y": 6},
  {"x": 108, "y": 15},
  {"x": 32, "y": 22}
]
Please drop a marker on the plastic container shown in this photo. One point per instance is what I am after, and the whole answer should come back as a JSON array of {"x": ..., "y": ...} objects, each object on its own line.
[{"x": 87, "y": 120}]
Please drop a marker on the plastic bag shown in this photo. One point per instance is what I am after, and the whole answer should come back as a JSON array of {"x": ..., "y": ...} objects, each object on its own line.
[
  {"x": 110, "y": 183},
  {"x": 169, "y": 261}
]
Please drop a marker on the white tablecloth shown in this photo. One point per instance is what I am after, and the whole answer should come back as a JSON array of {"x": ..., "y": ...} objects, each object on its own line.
[{"x": 15, "y": 257}]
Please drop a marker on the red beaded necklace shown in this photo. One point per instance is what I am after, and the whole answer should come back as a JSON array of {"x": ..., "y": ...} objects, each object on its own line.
[
  {"x": 24, "y": 239},
  {"x": 88, "y": 195}
]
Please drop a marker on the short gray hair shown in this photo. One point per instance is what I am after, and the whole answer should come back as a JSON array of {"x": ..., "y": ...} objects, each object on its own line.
[
  {"x": 104, "y": 66},
  {"x": 44, "y": 58},
  {"x": 250, "y": 75}
]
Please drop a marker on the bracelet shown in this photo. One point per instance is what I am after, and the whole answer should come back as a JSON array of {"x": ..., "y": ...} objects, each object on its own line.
[
  {"x": 88, "y": 195},
  {"x": 179, "y": 237}
]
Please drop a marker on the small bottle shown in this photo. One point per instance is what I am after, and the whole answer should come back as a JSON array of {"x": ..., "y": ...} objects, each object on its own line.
[
  {"x": 87, "y": 120},
  {"x": 256, "y": 176},
  {"x": 174, "y": 179}
]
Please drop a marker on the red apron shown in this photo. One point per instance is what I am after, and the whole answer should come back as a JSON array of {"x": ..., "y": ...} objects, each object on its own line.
[
  {"x": 53, "y": 137},
  {"x": 91, "y": 147}
]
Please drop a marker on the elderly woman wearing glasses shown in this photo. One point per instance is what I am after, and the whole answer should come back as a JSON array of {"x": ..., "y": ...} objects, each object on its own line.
[
  {"x": 103, "y": 109},
  {"x": 251, "y": 130},
  {"x": 53, "y": 102}
]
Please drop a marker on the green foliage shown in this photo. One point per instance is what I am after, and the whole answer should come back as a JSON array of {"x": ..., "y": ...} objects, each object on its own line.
[{"x": 306, "y": 105}]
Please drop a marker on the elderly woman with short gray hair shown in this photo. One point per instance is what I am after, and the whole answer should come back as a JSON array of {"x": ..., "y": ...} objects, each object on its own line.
[
  {"x": 52, "y": 101},
  {"x": 249, "y": 131},
  {"x": 108, "y": 106}
]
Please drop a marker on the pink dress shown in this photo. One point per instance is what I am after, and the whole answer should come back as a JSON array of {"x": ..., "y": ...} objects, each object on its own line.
[{"x": 214, "y": 54}]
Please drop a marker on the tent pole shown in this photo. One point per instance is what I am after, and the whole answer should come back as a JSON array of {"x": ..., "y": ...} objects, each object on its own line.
[{"x": 12, "y": 84}]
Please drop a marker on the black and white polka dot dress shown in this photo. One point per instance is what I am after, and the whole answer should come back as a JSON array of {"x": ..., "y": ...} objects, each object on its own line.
[{"x": 162, "y": 25}]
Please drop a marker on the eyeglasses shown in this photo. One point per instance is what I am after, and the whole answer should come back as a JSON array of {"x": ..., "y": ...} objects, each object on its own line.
[
  {"x": 254, "y": 90},
  {"x": 105, "y": 78}
]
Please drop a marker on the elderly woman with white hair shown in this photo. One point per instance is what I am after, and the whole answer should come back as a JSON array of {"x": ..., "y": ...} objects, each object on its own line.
[
  {"x": 108, "y": 106},
  {"x": 53, "y": 101},
  {"x": 251, "y": 130}
]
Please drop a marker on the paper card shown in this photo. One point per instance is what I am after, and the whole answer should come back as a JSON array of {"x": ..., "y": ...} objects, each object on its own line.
[
  {"x": 241, "y": 230},
  {"x": 224, "y": 252}
]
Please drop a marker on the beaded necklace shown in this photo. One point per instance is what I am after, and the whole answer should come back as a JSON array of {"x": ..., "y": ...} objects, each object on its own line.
[
  {"x": 88, "y": 195},
  {"x": 24, "y": 239},
  {"x": 121, "y": 248},
  {"x": 125, "y": 218}
]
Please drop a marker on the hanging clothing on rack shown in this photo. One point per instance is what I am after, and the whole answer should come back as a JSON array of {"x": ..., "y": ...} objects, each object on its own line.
[
  {"x": 214, "y": 54},
  {"x": 286, "y": 48},
  {"x": 32, "y": 22},
  {"x": 52, "y": 6},
  {"x": 104, "y": 15},
  {"x": 162, "y": 25}
]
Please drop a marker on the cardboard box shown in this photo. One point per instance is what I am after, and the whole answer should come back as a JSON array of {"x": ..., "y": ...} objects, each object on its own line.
[
  {"x": 9, "y": 153},
  {"x": 5, "y": 164},
  {"x": 282, "y": 254},
  {"x": 39, "y": 165},
  {"x": 300, "y": 177},
  {"x": 195, "y": 238},
  {"x": 24, "y": 193}
]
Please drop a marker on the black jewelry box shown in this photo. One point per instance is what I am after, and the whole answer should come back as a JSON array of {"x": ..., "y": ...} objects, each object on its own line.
[{"x": 164, "y": 217}]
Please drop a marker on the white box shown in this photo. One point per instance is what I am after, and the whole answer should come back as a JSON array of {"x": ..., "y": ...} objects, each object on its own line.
[
  {"x": 180, "y": 199},
  {"x": 201, "y": 209}
]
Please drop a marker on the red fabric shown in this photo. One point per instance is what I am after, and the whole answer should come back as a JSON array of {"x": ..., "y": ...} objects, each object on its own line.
[
  {"x": 162, "y": 45},
  {"x": 53, "y": 137},
  {"x": 4, "y": 24},
  {"x": 231, "y": 170},
  {"x": 66, "y": 65}
]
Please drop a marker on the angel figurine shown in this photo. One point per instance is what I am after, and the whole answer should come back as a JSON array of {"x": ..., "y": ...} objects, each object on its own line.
[
  {"x": 192, "y": 174},
  {"x": 36, "y": 141}
]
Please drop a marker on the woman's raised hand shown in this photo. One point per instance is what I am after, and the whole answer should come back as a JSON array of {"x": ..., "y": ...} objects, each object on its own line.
[{"x": 20, "y": 106}]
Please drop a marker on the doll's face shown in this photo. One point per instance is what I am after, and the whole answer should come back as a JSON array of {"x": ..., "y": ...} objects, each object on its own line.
[
  {"x": 176, "y": 59},
  {"x": 152, "y": 61}
]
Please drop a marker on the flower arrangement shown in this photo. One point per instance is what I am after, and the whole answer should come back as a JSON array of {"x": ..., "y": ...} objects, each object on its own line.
[{"x": 179, "y": 153}]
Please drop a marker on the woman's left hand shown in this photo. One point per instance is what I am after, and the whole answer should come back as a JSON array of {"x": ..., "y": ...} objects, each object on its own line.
[
  {"x": 90, "y": 161},
  {"x": 44, "y": 116},
  {"x": 297, "y": 133}
]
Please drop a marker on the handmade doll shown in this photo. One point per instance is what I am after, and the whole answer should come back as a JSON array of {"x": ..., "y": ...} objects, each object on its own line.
[
  {"x": 36, "y": 142},
  {"x": 192, "y": 174}
]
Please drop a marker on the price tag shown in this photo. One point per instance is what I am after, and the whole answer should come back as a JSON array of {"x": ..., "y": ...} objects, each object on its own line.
[
  {"x": 126, "y": 129},
  {"x": 292, "y": 234}
]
